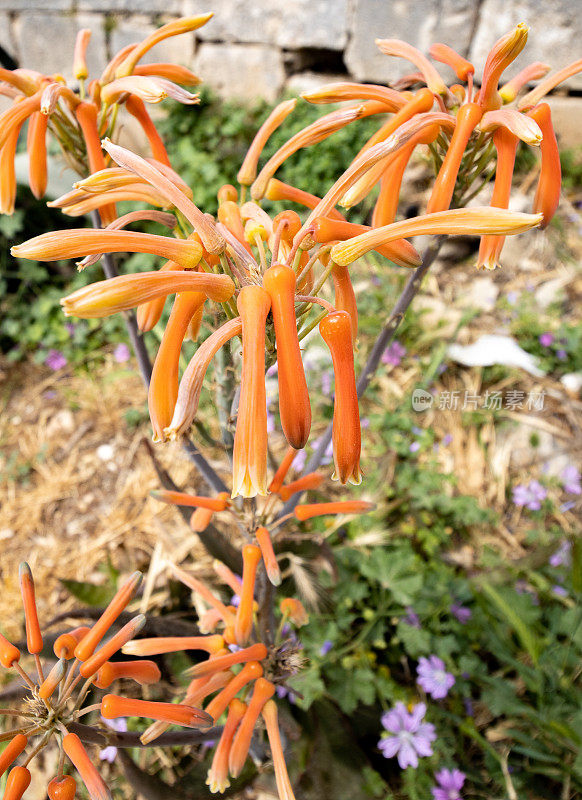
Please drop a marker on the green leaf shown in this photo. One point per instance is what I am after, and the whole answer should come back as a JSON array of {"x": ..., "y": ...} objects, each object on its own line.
[
  {"x": 530, "y": 642},
  {"x": 89, "y": 593}
]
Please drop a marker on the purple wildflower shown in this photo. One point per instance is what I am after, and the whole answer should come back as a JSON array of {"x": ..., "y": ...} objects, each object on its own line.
[
  {"x": 55, "y": 360},
  {"x": 110, "y": 753},
  {"x": 414, "y": 447},
  {"x": 530, "y": 496},
  {"x": 571, "y": 480},
  {"x": 469, "y": 710},
  {"x": 326, "y": 382},
  {"x": 512, "y": 298},
  {"x": 562, "y": 556},
  {"x": 433, "y": 677},
  {"x": 462, "y": 613},
  {"x": 546, "y": 339},
  {"x": 447, "y": 439},
  {"x": 567, "y": 506},
  {"x": 561, "y": 355},
  {"x": 121, "y": 353},
  {"x": 70, "y": 327},
  {"x": 559, "y": 590},
  {"x": 411, "y": 618},
  {"x": 325, "y": 647},
  {"x": 394, "y": 354},
  {"x": 299, "y": 460},
  {"x": 283, "y": 691},
  {"x": 411, "y": 737},
  {"x": 450, "y": 782}
]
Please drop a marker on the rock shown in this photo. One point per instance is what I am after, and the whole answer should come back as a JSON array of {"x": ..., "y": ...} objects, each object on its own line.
[
  {"x": 63, "y": 422},
  {"x": 551, "y": 291},
  {"x": 105, "y": 452},
  {"x": 290, "y": 24},
  {"x": 6, "y": 41},
  {"x": 482, "y": 293},
  {"x": 567, "y": 119},
  {"x": 37, "y": 31},
  {"x": 572, "y": 383},
  {"x": 136, "y": 6},
  {"x": 241, "y": 71},
  {"x": 419, "y": 22},
  {"x": 554, "y": 37}
]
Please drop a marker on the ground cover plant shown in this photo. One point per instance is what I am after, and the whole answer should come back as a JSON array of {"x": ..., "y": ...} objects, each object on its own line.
[{"x": 407, "y": 660}]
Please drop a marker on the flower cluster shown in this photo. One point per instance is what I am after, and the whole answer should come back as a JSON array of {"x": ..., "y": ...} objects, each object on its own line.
[
  {"x": 53, "y": 703},
  {"x": 78, "y": 116}
]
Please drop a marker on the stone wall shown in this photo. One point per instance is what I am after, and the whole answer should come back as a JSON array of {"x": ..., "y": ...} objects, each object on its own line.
[{"x": 262, "y": 47}]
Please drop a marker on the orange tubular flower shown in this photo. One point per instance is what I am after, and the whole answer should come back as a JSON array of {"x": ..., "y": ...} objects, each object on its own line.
[
  {"x": 52, "y": 680},
  {"x": 533, "y": 72},
  {"x": 137, "y": 109},
  {"x": 18, "y": 782},
  {"x": 533, "y": 98},
  {"x": 95, "y": 784},
  {"x": 343, "y": 90},
  {"x": 86, "y": 114},
  {"x": 501, "y": 55},
  {"x": 312, "y": 480},
  {"x": 395, "y": 47},
  {"x": 263, "y": 690},
  {"x": 468, "y": 118},
  {"x": 36, "y": 149},
  {"x": 248, "y": 171},
  {"x": 277, "y": 190},
  {"x": 218, "y": 503},
  {"x": 293, "y": 609},
  {"x": 469, "y": 221},
  {"x": 193, "y": 377},
  {"x": 198, "y": 587},
  {"x": 175, "y": 28},
  {"x": 400, "y": 252},
  {"x": 269, "y": 557},
  {"x": 103, "y": 298},
  {"x": 113, "y": 706},
  {"x": 294, "y": 407},
  {"x": 14, "y": 117},
  {"x": 173, "y": 644},
  {"x": 547, "y": 194},
  {"x": 80, "y": 70},
  {"x": 11, "y": 752},
  {"x": 148, "y": 314},
  {"x": 345, "y": 297},
  {"x": 387, "y": 203},
  {"x": 119, "y": 602},
  {"x": 514, "y": 121},
  {"x": 446, "y": 55},
  {"x": 33, "y": 633},
  {"x": 65, "y": 644},
  {"x": 244, "y": 615},
  {"x": 217, "y": 778},
  {"x": 308, "y": 511},
  {"x": 336, "y": 331},
  {"x": 270, "y": 715},
  {"x": 172, "y": 72},
  {"x": 111, "y": 646},
  {"x": 249, "y": 472},
  {"x": 312, "y": 134},
  {"x": 212, "y": 241},
  {"x": 250, "y": 672},
  {"x": 229, "y": 215},
  {"x": 63, "y": 788},
  {"x": 9, "y": 654},
  {"x": 78, "y": 242},
  {"x": 256, "y": 652},
  {"x": 7, "y": 174},
  {"x": 165, "y": 380},
  {"x": 143, "y": 672},
  {"x": 506, "y": 145},
  {"x": 282, "y": 470}
]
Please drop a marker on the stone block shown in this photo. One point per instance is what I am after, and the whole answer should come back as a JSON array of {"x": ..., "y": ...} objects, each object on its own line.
[
  {"x": 6, "y": 40},
  {"x": 567, "y": 119},
  {"x": 286, "y": 23},
  {"x": 153, "y": 7},
  {"x": 419, "y": 22},
  {"x": 37, "y": 34},
  {"x": 240, "y": 71},
  {"x": 177, "y": 49},
  {"x": 36, "y": 5},
  {"x": 554, "y": 35}
]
